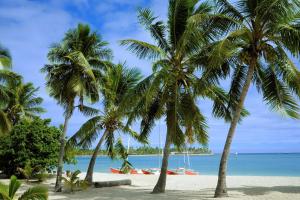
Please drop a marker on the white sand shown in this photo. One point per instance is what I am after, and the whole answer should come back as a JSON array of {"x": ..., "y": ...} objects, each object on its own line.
[{"x": 188, "y": 188}]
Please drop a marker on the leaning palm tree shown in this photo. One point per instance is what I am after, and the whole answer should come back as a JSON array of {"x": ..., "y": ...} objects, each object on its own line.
[
  {"x": 115, "y": 84},
  {"x": 9, "y": 192},
  {"x": 178, "y": 78},
  {"x": 74, "y": 72},
  {"x": 257, "y": 43}
]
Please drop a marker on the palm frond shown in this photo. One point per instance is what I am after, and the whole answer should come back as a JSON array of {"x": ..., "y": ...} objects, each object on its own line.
[{"x": 143, "y": 49}]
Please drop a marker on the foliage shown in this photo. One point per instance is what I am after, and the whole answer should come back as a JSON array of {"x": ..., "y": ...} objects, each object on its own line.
[
  {"x": 263, "y": 36},
  {"x": 5, "y": 58},
  {"x": 179, "y": 78},
  {"x": 123, "y": 154},
  {"x": 75, "y": 67},
  {"x": 19, "y": 100},
  {"x": 146, "y": 150},
  {"x": 115, "y": 84},
  {"x": 8, "y": 192},
  {"x": 73, "y": 183},
  {"x": 33, "y": 141},
  {"x": 31, "y": 173}
]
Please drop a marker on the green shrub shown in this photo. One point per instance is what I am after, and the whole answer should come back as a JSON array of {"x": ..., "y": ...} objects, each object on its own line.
[
  {"x": 34, "y": 142},
  {"x": 73, "y": 183},
  {"x": 8, "y": 192}
]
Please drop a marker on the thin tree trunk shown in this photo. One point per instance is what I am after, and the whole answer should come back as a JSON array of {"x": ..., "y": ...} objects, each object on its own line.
[
  {"x": 161, "y": 183},
  {"x": 90, "y": 171},
  {"x": 221, "y": 189},
  {"x": 58, "y": 186}
]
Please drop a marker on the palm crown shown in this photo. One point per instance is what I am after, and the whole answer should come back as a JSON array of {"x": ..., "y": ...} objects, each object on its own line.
[
  {"x": 176, "y": 82},
  {"x": 115, "y": 84},
  {"x": 76, "y": 64},
  {"x": 259, "y": 37}
]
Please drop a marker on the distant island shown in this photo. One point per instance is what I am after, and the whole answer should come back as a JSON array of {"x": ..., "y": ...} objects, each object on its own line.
[{"x": 148, "y": 150}]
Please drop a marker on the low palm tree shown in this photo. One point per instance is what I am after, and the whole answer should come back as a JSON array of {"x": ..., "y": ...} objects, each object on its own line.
[
  {"x": 258, "y": 41},
  {"x": 5, "y": 58},
  {"x": 22, "y": 101},
  {"x": 9, "y": 192},
  {"x": 115, "y": 84},
  {"x": 6, "y": 76},
  {"x": 74, "y": 72},
  {"x": 179, "y": 76}
]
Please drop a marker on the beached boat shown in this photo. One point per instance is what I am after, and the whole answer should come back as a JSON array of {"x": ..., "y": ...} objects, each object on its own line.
[
  {"x": 115, "y": 171},
  {"x": 183, "y": 171},
  {"x": 172, "y": 172},
  {"x": 151, "y": 171},
  {"x": 118, "y": 171}
]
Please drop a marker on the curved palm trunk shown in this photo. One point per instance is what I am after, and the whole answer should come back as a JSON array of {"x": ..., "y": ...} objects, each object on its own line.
[
  {"x": 58, "y": 186},
  {"x": 90, "y": 171},
  {"x": 161, "y": 183},
  {"x": 221, "y": 189}
]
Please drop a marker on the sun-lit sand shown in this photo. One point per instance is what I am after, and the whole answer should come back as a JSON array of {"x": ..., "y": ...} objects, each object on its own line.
[{"x": 187, "y": 188}]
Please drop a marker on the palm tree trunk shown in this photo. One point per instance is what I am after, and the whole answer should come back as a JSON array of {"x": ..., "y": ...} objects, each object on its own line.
[
  {"x": 161, "y": 183},
  {"x": 90, "y": 171},
  {"x": 221, "y": 189},
  {"x": 58, "y": 186}
]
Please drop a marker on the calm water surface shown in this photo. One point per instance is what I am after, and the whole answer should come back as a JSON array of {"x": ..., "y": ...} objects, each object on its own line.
[{"x": 241, "y": 164}]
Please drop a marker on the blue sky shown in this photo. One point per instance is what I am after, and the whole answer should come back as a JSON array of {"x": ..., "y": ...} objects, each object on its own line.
[{"x": 28, "y": 28}]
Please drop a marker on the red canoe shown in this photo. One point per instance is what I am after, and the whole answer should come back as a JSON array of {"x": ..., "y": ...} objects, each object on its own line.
[
  {"x": 146, "y": 172},
  {"x": 188, "y": 172},
  {"x": 117, "y": 171},
  {"x": 171, "y": 172}
]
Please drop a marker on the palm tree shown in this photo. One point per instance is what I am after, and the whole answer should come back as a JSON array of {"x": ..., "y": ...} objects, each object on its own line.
[
  {"x": 5, "y": 58},
  {"x": 22, "y": 101},
  {"x": 257, "y": 43},
  {"x": 9, "y": 192},
  {"x": 115, "y": 84},
  {"x": 74, "y": 72},
  {"x": 6, "y": 76},
  {"x": 176, "y": 83}
]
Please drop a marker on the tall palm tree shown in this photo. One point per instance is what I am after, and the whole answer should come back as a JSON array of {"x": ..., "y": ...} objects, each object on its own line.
[
  {"x": 115, "y": 84},
  {"x": 74, "y": 72},
  {"x": 178, "y": 78},
  {"x": 257, "y": 43}
]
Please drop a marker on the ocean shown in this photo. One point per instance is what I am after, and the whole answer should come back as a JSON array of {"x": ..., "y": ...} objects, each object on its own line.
[{"x": 258, "y": 164}]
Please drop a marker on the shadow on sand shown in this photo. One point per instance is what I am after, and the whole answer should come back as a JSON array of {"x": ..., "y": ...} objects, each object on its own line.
[
  {"x": 120, "y": 193},
  {"x": 255, "y": 191}
]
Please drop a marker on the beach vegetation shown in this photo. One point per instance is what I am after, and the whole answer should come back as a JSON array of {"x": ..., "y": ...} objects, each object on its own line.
[
  {"x": 114, "y": 86},
  {"x": 73, "y": 183},
  {"x": 8, "y": 192},
  {"x": 180, "y": 76},
  {"x": 73, "y": 75},
  {"x": 32, "y": 145},
  {"x": 260, "y": 39}
]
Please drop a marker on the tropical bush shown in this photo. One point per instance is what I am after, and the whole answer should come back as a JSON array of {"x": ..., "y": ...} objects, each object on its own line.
[
  {"x": 8, "y": 192},
  {"x": 73, "y": 183},
  {"x": 33, "y": 141}
]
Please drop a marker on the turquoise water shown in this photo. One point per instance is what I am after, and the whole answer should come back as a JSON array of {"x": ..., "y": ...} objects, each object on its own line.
[{"x": 241, "y": 164}]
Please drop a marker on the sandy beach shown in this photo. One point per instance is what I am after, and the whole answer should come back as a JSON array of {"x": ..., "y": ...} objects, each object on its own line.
[{"x": 186, "y": 187}]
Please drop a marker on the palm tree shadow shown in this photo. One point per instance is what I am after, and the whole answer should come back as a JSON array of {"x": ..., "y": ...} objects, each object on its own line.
[{"x": 254, "y": 191}]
